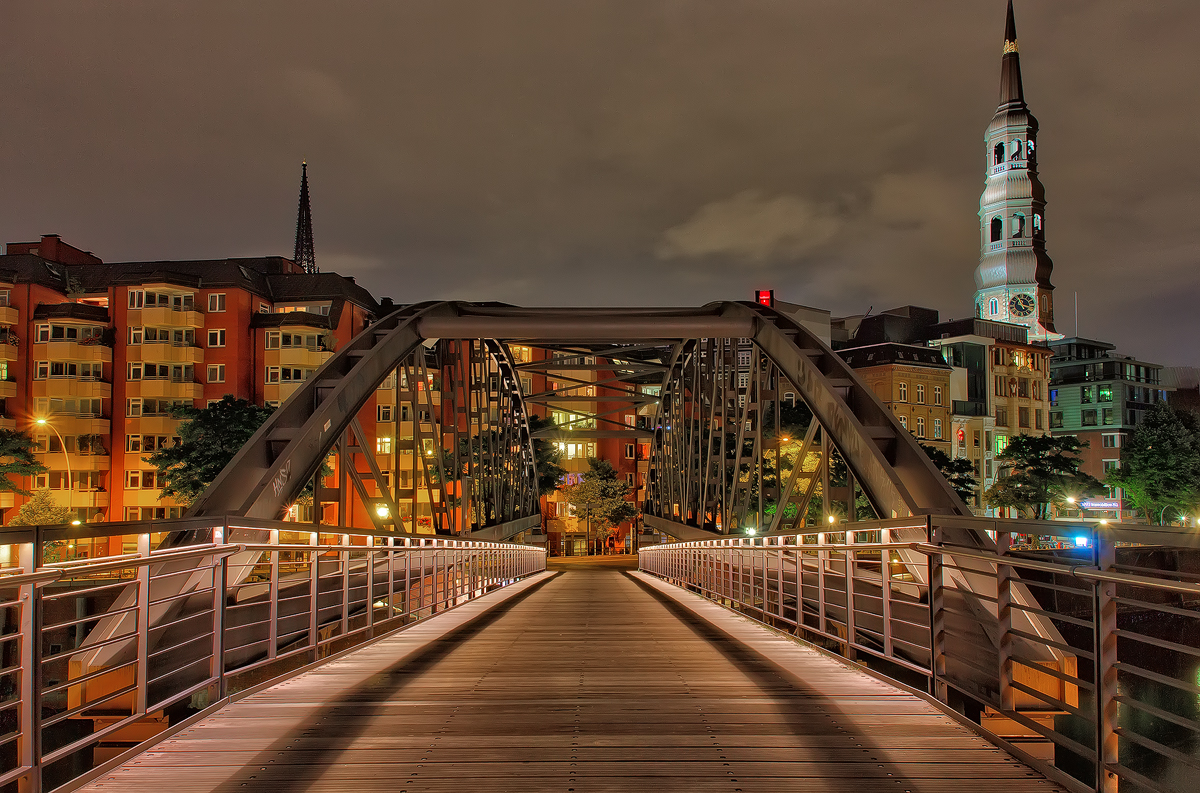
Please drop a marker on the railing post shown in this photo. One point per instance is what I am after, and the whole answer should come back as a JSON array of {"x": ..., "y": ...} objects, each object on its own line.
[
  {"x": 29, "y": 555},
  {"x": 220, "y": 585},
  {"x": 937, "y": 621},
  {"x": 315, "y": 579},
  {"x": 1106, "y": 669},
  {"x": 143, "y": 626},
  {"x": 851, "y": 563},
  {"x": 345, "y": 557},
  {"x": 273, "y": 628},
  {"x": 822, "y": 557},
  {"x": 885, "y": 580},
  {"x": 1004, "y": 614}
]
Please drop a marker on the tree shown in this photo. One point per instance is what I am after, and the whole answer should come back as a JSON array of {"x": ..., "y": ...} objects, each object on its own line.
[
  {"x": 959, "y": 473},
  {"x": 601, "y": 496},
  {"x": 1039, "y": 470},
  {"x": 42, "y": 510},
  {"x": 547, "y": 455},
  {"x": 208, "y": 440},
  {"x": 1160, "y": 464},
  {"x": 16, "y": 459}
]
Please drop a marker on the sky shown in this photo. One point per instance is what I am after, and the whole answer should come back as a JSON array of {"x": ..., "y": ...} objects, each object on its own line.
[{"x": 617, "y": 152}]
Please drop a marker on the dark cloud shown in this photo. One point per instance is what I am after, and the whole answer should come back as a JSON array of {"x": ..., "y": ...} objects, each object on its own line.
[{"x": 616, "y": 151}]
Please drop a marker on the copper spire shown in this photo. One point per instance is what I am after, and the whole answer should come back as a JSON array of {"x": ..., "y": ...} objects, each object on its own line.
[
  {"x": 1011, "y": 91},
  {"x": 305, "y": 256}
]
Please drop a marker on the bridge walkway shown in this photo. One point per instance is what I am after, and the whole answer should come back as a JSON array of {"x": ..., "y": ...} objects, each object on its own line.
[{"x": 585, "y": 679}]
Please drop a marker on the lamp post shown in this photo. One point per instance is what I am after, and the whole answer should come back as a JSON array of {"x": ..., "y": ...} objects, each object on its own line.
[{"x": 67, "y": 457}]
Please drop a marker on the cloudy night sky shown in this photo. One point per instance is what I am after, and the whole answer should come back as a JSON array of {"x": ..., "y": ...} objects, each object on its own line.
[{"x": 624, "y": 152}]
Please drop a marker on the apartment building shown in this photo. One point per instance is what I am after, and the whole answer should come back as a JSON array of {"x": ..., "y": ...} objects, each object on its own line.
[
  {"x": 913, "y": 382},
  {"x": 100, "y": 352}
]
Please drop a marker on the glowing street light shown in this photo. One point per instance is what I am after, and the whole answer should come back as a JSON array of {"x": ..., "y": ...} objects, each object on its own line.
[
  {"x": 42, "y": 422},
  {"x": 832, "y": 520},
  {"x": 382, "y": 511}
]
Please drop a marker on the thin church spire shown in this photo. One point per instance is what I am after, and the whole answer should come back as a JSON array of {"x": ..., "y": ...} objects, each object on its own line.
[
  {"x": 305, "y": 257},
  {"x": 1011, "y": 90}
]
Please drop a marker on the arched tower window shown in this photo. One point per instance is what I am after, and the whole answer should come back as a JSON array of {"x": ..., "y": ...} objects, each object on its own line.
[
  {"x": 993, "y": 307},
  {"x": 1037, "y": 224},
  {"x": 1029, "y": 148},
  {"x": 1017, "y": 150},
  {"x": 1018, "y": 226},
  {"x": 997, "y": 229},
  {"x": 998, "y": 154}
]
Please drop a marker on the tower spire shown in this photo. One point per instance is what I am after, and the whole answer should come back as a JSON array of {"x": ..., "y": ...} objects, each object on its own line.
[
  {"x": 1011, "y": 90},
  {"x": 304, "y": 256}
]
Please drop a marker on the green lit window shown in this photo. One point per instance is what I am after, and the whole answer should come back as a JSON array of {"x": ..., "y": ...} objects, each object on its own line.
[{"x": 1105, "y": 393}]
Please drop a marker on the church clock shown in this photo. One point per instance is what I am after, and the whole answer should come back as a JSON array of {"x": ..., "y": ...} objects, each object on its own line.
[{"x": 1021, "y": 305}]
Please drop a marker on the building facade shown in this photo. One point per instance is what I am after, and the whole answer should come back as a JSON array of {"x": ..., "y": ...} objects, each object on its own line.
[
  {"x": 1100, "y": 396},
  {"x": 913, "y": 382},
  {"x": 100, "y": 353}
]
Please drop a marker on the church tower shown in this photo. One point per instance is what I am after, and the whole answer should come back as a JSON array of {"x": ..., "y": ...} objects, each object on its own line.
[
  {"x": 1012, "y": 281},
  {"x": 305, "y": 255}
]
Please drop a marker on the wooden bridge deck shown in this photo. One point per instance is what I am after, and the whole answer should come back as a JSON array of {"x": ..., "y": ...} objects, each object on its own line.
[{"x": 594, "y": 680}]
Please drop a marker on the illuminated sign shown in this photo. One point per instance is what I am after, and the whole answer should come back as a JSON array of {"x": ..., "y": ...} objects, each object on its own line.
[
  {"x": 765, "y": 296},
  {"x": 1101, "y": 503}
]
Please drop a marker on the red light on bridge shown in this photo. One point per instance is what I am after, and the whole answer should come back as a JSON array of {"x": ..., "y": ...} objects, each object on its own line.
[{"x": 765, "y": 296}]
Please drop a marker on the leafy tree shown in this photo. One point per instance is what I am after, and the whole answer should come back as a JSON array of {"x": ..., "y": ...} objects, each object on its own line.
[
  {"x": 601, "y": 496},
  {"x": 42, "y": 510},
  {"x": 1160, "y": 464},
  {"x": 16, "y": 459},
  {"x": 959, "y": 473},
  {"x": 208, "y": 440},
  {"x": 1039, "y": 470},
  {"x": 547, "y": 455}
]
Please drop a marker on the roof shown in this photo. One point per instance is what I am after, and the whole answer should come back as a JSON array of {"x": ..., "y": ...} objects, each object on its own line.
[
  {"x": 890, "y": 353},
  {"x": 270, "y": 277}
]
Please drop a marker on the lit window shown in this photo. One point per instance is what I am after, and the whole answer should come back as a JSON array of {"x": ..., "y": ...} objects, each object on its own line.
[
  {"x": 383, "y": 445},
  {"x": 937, "y": 429}
]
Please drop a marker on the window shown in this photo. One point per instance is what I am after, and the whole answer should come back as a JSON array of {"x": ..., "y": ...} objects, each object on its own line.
[
  {"x": 135, "y": 371},
  {"x": 998, "y": 385},
  {"x": 273, "y": 339},
  {"x": 1023, "y": 387},
  {"x": 216, "y": 338},
  {"x": 1085, "y": 394},
  {"x": 1018, "y": 150},
  {"x": 1023, "y": 417},
  {"x": 987, "y": 468},
  {"x": 136, "y": 298},
  {"x": 1056, "y": 419},
  {"x": 1087, "y": 417},
  {"x": 1111, "y": 465},
  {"x": 1037, "y": 232},
  {"x": 1001, "y": 417},
  {"x": 743, "y": 379},
  {"x": 920, "y": 426},
  {"x": 383, "y": 445},
  {"x": 216, "y": 373},
  {"x": 630, "y": 450},
  {"x": 630, "y": 480},
  {"x": 1037, "y": 419},
  {"x": 937, "y": 429},
  {"x": 1001, "y": 443},
  {"x": 1109, "y": 441},
  {"x": 937, "y": 395},
  {"x": 1037, "y": 390},
  {"x": 41, "y": 333},
  {"x": 271, "y": 374},
  {"x": 998, "y": 154},
  {"x": 216, "y": 302},
  {"x": 902, "y": 392},
  {"x": 1018, "y": 226},
  {"x": 903, "y": 421},
  {"x": 384, "y": 412},
  {"x": 997, "y": 235},
  {"x": 1106, "y": 415},
  {"x": 1104, "y": 393},
  {"x": 743, "y": 358},
  {"x": 133, "y": 407},
  {"x": 41, "y": 370},
  {"x": 1053, "y": 397},
  {"x": 976, "y": 439},
  {"x": 920, "y": 393}
]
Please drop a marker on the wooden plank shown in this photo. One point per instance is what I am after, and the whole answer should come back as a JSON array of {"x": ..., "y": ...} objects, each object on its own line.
[{"x": 590, "y": 682}]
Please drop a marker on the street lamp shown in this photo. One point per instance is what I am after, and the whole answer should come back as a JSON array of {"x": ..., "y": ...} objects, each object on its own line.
[
  {"x": 382, "y": 511},
  {"x": 832, "y": 520},
  {"x": 67, "y": 457}
]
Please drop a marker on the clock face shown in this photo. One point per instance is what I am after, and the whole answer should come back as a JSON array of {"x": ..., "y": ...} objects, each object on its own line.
[{"x": 1021, "y": 305}]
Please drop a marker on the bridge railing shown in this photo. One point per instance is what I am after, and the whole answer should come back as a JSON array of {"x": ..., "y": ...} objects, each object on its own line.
[
  {"x": 1076, "y": 647},
  {"x": 163, "y": 621}
]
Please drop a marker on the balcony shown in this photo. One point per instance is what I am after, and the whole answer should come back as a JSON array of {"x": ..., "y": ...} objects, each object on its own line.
[
  {"x": 80, "y": 425},
  {"x": 8, "y": 389},
  {"x": 8, "y": 423},
  {"x": 79, "y": 462},
  {"x": 8, "y": 352},
  {"x": 169, "y": 389},
  {"x": 73, "y": 387},
  {"x": 305, "y": 357},
  {"x": 146, "y": 497},
  {"x": 165, "y": 353},
  {"x": 9, "y": 315},
  {"x": 965, "y": 408},
  {"x": 80, "y": 498},
  {"x": 153, "y": 425},
  {"x": 72, "y": 351},
  {"x": 165, "y": 316}
]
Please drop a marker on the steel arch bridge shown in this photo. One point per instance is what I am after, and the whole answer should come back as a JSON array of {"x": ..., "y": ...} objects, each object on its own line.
[{"x": 753, "y": 422}]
